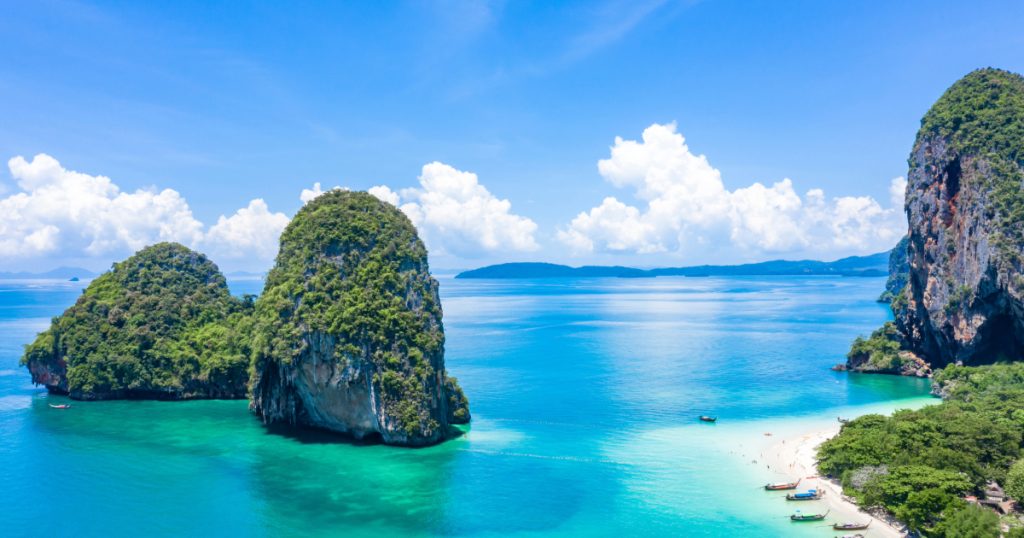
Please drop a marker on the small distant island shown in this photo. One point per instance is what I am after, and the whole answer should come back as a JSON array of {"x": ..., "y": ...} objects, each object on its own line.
[
  {"x": 73, "y": 274},
  {"x": 874, "y": 265}
]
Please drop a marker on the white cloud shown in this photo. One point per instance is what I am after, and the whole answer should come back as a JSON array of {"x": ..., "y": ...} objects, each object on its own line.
[
  {"x": 383, "y": 193},
  {"x": 897, "y": 191},
  {"x": 251, "y": 233},
  {"x": 689, "y": 213},
  {"x": 62, "y": 215},
  {"x": 62, "y": 211},
  {"x": 456, "y": 215}
]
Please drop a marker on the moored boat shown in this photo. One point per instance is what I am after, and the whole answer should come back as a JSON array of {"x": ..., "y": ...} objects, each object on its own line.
[
  {"x": 61, "y": 406},
  {"x": 808, "y": 517},
  {"x": 705, "y": 418},
  {"x": 809, "y": 495},
  {"x": 850, "y": 526},
  {"x": 779, "y": 486}
]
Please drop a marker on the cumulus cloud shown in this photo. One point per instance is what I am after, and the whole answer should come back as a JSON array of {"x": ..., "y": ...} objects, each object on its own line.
[
  {"x": 457, "y": 215},
  {"x": 382, "y": 192},
  {"x": 252, "y": 232},
  {"x": 454, "y": 213},
  {"x": 307, "y": 195},
  {"x": 60, "y": 210},
  {"x": 61, "y": 213},
  {"x": 687, "y": 211}
]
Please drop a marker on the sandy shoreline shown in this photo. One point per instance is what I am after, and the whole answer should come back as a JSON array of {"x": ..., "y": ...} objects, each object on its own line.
[{"x": 795, "y": 457}]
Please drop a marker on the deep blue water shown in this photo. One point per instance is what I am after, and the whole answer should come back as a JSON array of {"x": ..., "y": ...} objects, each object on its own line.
[{"x": 584, "y": 394}]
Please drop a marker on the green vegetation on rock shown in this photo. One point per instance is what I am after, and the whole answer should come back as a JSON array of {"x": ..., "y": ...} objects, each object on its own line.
[
  {"x": 161, "y": 324},
  {"x": 879, "y": 352}
]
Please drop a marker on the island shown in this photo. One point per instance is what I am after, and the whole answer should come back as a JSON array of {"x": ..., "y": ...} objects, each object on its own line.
[
  {"x": 874, "y": 265},
  {"x": 159, "y": 325},
  {"x": 348, "y": 334}
]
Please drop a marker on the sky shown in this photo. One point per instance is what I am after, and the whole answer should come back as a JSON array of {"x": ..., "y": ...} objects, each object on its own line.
[{"x": 644, "y": 133}]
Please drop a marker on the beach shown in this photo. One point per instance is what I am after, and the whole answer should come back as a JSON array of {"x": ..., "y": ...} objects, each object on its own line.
[{"x": 796, "y": 457}]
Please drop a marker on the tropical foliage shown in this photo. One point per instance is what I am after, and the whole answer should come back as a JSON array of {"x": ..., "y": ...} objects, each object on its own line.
[
  {"x": 880, "y": 351},
  {"x": 918, "y": 464},
  {"x": 161, "y": 324}
]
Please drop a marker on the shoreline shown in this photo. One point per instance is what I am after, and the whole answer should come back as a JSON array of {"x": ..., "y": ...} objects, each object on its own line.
[{"x": 796, "y": 455}]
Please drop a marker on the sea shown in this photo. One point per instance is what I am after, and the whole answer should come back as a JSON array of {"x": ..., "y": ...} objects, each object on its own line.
[{"x": 585, "y": 395}]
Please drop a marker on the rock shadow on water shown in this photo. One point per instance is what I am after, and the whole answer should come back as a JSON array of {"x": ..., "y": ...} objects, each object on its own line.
[{"x": 310, "y": 435}]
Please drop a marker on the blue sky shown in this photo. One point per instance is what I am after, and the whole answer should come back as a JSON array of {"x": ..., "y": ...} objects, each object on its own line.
[{"x": 224, "y": 103}]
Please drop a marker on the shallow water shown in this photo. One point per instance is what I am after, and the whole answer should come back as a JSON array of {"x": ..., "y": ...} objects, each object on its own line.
[{"x": 584, "y": 393}]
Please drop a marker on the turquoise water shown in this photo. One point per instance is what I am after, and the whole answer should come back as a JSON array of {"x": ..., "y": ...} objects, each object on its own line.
[{"x": 584, "y": 394}]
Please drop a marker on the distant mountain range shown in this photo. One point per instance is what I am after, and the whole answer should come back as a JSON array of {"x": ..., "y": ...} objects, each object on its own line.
[
  {"x": 873, "y": 265},
  {"x": 60, "y": 273}
]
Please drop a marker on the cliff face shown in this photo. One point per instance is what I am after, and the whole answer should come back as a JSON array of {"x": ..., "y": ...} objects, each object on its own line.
[
  {"x": 348, "y": 332},
  {"x": 159, "y": 325},
  {"x": 964, "y": 298}
]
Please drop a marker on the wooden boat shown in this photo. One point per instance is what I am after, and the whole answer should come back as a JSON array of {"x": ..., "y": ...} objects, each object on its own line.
[
  {"x": 850, "y": 526},
  {"x": 779, "y": 486},
  {"x": 843, "y": 420},
  {"x": 61, "y": 406},
  {"x": 810, "y": 495},
  {"x": 705, "y": 418},
  {"x": 858, "y": 535},
  {"x": 808, "y": 517}
]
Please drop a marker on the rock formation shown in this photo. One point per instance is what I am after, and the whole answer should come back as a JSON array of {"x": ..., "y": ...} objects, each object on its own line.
[
  {"x": 159, "y": 325},
  {"x": 964, "y": 300},
  {"x": 348, "y": 332},
  {"x": 899, "y": 271}
]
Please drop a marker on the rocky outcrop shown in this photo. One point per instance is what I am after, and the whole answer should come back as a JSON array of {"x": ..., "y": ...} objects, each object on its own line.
[
  {"x": 884, "y": 352},
  {"x": 159, "y": 325},
  {"x": 348, "y": 332},
  {"x": 899, "y": 271},
  {"x": 964, "y": 302}
]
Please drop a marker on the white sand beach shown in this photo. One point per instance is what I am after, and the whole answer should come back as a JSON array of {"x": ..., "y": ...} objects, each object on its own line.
[{"x": 795, "y": 456}]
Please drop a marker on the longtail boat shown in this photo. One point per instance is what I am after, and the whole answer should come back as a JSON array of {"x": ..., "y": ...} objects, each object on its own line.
[
  {"x": 779, "y": 486},
  {"x": 809, "y": 495},
  {"x": 858, "y": 535},
  {"x": 808, "y": 517},
  {"x": 705, "y": 418},
  {"x": 61, "y": 406},
  {"x": 850, "y": 526},
  {"x": 843, "y": 420}
]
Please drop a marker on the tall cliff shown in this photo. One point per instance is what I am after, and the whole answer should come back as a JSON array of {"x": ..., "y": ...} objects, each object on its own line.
[
  {"x": 965, "y": 206},
  {"x": 348, "y": 332},
  {"x": 159, "y": 325},
  {"x": 964, "y": 299}
]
